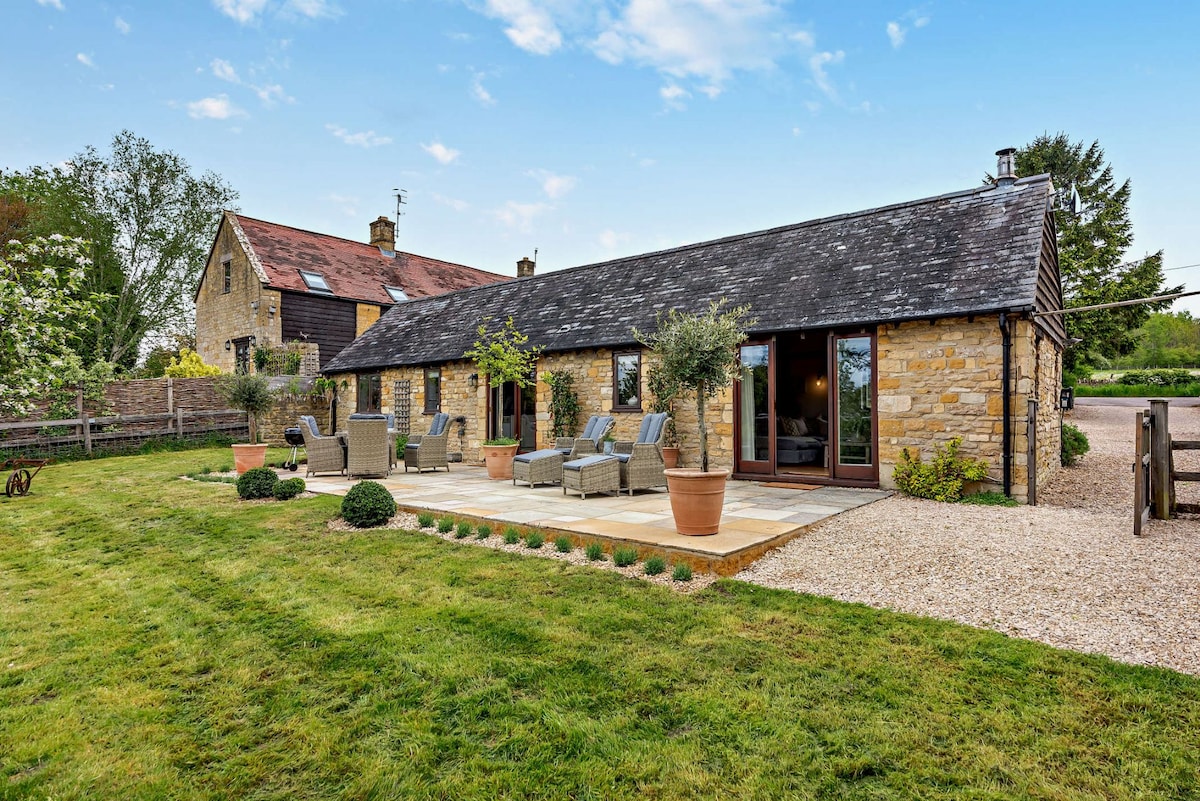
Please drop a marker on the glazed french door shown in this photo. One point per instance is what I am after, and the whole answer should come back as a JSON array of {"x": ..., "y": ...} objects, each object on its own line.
[
  {"x": 512, "y": 412},
  {"x": 755, "y": 403},
  {"x": 854, "y": 430}
]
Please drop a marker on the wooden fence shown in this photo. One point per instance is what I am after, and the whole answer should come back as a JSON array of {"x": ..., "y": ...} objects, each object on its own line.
[
  {"x": 1154, "y": 473},
  {"x": 119, "y": 431}
]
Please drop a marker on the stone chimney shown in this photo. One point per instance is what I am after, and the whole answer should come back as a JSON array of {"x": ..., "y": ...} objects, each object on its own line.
[
  {"x": 1006, "y": 166},
  {"x": 525, "y": 267},
  {"x": 383, "y": 234}
]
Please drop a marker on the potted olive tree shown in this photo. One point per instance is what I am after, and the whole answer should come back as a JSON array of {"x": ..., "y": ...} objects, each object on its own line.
[
  {"x": 662, "y": 401},
  {"x": 502, "y": 356},
  {"x": 698, "y": 353},
  {"x": 250, "y": 394}
]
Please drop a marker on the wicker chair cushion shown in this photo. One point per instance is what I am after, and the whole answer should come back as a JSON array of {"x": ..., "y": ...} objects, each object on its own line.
[
  {"x": 438, "y": 425},
  {"x": 579, "y": 464},
  {"x": 366, "y": 416},
  {"x": 589, "y": 430},
  {"x": 533, "y": 456},
  {"x": 652, "y": 428},
  {"x": 603, "y": 425},
  {"x": 311, "y": 422}
]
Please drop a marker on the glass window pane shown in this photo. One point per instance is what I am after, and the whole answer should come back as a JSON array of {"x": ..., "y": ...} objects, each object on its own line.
[
  {"x": 855, "y": 433},
  {"x": 753, "y": 414},
  {"x": 627, "y": 380},
  {"x": 433, "y": 390}
]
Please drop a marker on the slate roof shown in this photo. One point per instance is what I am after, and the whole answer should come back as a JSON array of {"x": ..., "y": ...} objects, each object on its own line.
[
  {"x": 353, "y": 270},
  {"x": 969, "y": 252}
]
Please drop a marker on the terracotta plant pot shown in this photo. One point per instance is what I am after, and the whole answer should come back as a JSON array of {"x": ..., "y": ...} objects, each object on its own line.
[
  {"x": 498, "y": 459},
  {"x": 696, "y": 499},
  {"x": 248, "y": 456},
  {"x": 670, "y": 457}
]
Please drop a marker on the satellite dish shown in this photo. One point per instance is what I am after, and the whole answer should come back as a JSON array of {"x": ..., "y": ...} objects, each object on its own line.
[{"x": 1074, "y": 201}]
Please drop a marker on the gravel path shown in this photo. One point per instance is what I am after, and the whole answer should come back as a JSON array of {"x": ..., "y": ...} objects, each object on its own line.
[{"x": 1068, "y": 573}]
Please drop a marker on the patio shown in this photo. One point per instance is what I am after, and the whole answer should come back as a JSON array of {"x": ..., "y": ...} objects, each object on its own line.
[{"x": 757, "y": 517}]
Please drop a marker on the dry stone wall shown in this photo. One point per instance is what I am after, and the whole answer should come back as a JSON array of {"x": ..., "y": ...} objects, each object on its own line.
[{"x": 221, "y": 315}]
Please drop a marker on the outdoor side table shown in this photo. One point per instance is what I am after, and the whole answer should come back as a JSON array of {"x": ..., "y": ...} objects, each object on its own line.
[
  {"x": 600, "y": 473},
  {"x": 538, "y": 467}
]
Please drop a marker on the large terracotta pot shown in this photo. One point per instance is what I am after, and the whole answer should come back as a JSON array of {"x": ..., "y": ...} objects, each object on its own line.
[
  {"x": 670, "y": 457},
  {"x": 498, "y": 459},
  {"x": 248, "y": 456},
  {"x": 696, "y": 499}
]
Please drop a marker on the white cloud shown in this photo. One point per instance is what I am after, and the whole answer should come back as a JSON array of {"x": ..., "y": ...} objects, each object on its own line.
[
  {"x": 213, "y": 108},
  {"x": 611, "y": 240},
  {"x": 269, "y": 94},
  {"x": 313, "y": 9},
  {"x": 897, "y": 31},
  {"x": 443, "y": 154},
  {"x": 674, "y": 95},
  {"x": 224, "y": 70},
  {"x": 555, "y": 186},
  {"x": 702, "y": 39},
  {"x": 85, "y": 60},
  {"x": 529, "y": 27},
  {"x": 479, "y": 92},
  {"x": 454, "y": 203},
  {"x": 51, "y": 4},
  {"x": 817, "y": 63},
  {"x": 243, "y": 11},
  {"x": 362, "y": 139},
  {"x": 122, "y": 26},
  {"x": 347, "y": 204},
  {"x": 520, "y": 215},
  {"x": 797, "y": 131}
]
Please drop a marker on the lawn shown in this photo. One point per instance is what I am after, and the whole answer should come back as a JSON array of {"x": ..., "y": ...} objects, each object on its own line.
[{"x": 161, "y": 639}]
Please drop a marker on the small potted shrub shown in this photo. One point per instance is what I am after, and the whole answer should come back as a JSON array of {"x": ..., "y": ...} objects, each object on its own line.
[
  {"x": 250, "y": 394},
  {"x": 698, "y": 353},
  {"x": 503, "y": 356}
]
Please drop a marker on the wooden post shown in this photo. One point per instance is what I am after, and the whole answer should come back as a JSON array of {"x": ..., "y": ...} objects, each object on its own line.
[
  {"x": 171, "y": 404},
  {"x": 1160, "y": 460},
  {"x": 85, "y": 426},
  {"x": 179, "y": 423},
  {"x": 1139, "y": 475},
  {"x": 1031, "y": 452}
]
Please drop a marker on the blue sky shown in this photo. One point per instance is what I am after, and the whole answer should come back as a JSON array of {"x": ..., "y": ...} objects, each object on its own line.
[{"x": 590, "y": 130}]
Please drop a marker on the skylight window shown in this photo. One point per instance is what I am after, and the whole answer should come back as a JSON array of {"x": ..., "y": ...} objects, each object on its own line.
[
  {"x": 315, "y": 282},
  {"x": 396, "y": 293}
]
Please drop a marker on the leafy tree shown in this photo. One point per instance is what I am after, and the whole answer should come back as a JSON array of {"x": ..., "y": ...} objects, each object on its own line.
[
  {"x": 190, "y": 365},
  {"x": 698, "y": 353},
  {"x": 150, "y": 222},
  {"x": 1091, "y": 247},
  {"x": 504, "y": 355},
  {"x": 39, "y": 293},
  {"x": 1167, "y": 340}
]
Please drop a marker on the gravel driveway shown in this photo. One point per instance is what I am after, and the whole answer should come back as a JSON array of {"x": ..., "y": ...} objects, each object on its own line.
[{"x": 1068, "y": 573}]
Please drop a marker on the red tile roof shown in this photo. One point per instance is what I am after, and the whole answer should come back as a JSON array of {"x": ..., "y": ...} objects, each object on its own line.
[{"x": 353, "y": 270}]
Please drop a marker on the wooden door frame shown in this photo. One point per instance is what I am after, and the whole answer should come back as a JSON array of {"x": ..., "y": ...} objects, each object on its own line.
[
  {"x": 754, "y": 468},
  {"x": 856, "y": 473},
  {"x": 518, "y": 397}
]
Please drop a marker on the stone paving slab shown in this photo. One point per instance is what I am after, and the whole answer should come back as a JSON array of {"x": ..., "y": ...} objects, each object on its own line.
[{"x": 756, "y": 517}]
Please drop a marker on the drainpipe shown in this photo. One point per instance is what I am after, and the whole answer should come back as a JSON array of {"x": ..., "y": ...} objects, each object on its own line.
[{"x": 1005, "y": 381}]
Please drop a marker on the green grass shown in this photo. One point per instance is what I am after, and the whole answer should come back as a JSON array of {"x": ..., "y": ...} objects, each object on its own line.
[
  {"x": 624, "y": 557},
  {"x": 990, "y": 498},
  {"x": 445, "y": 525},
  {"x": 534, "y": 539},
  {"x": 463, "y": 530},
  {"x": 563, "y": 545},
  {"x": 1136, "y": 391},
  {"x": 594, "y": 551},
  {"x": 161, "y": 639}
]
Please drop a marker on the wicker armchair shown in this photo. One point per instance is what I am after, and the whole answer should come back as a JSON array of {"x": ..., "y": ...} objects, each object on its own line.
[
  {"x": 642, "y": 461},
  {"x": 428, "y": 451},
  {"x": 368, "y": 451},
  {"x": 325, "y": 454},
  {"x": 594, "y": 432}
]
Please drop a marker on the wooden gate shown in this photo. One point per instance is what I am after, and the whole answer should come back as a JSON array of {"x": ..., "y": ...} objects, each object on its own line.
[{"x": 1154, "y": 473}]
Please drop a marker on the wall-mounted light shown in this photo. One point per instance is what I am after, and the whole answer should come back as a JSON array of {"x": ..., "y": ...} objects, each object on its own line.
[
  {"x": 271, "y": 311},
  {"x": 254, "y": 305},
  {"x": 253, "y": 340},
  {"x": 821, "y": 380},
  {"x": 228, "y": 345},
  {"x": 473, "y": 380}
]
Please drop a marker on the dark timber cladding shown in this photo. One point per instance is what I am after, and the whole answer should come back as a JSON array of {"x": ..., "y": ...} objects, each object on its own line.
[
  {"x": 979, "y": 251},
  {"x": 327, "y": 321}
]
